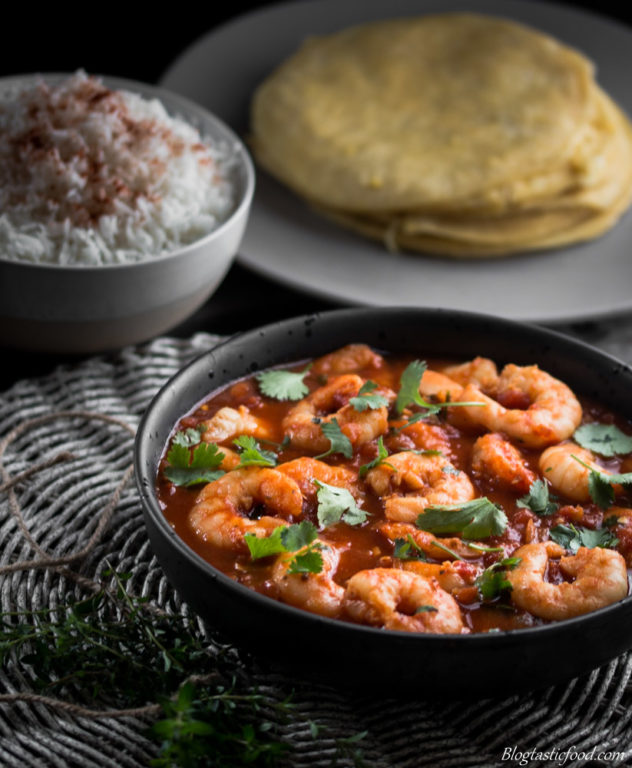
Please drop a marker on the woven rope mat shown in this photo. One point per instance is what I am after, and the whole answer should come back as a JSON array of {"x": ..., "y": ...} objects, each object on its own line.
[{"x": 60, "y": 505}]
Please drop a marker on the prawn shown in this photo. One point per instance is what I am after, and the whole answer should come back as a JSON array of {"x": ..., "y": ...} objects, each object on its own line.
[
  {"x": 303, "y": 421},
  {"x": 315, "y": 592},
  {"x": 429, "y": 544},
  {"x": 480, "y": 371},
  {"x": 544, "y": 411},
  {"x": 219, "y": 515},
  {"x": 453, "y": 575},
  {"x": 401, "y": 600},
  {"x": 348, "y": 359},
  {"x": 421, "y": 436},
  {"x": 566, "y": 474},
  {"x": 600, "y": 579},
  {"x": 495, "y": 458},
  {"x": 439, "y": 386},
  {"x": 410, "y": 482},
  {"x": 229, "y": 423},
  {"x": 305, "y": 470}
]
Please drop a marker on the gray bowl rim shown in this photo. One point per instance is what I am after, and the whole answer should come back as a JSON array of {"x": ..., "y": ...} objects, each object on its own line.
[
  {"x": 242, "y": 156},
  {"x": 242, "y": 593}
]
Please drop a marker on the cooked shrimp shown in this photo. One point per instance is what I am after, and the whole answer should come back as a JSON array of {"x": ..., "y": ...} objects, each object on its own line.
[
  {"x": 600, "y": 579},
  {"x": 315, "y": 592},
  {"x": 349, "y": 359},
  {"x": 421, "y": 436},
  {"x": 452, "y": 575},
  {"x": 541, "y": 409},
  {"x": 497, "y": 460},
  {"x": 219, "y": 514},
  {"x": 229, "y": 423},
  {"x": 428, "y": 543},
  {"x": 480, "y": 371},
  {"x": 303, "y": 421},
  {"x": 401, "y": 600},
  {"x": 566, "y": 474},
  {"x": 410, "y": 482},
  {"x": 305, "y": 470},
  {"x": 439, "y": 386}
]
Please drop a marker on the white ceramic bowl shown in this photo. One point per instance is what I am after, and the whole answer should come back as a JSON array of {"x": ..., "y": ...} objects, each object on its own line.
[{"x": 88, "y": 309}]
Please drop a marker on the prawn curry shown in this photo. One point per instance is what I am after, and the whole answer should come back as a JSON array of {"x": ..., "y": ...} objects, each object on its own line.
[{"x": 423, "y": 497}]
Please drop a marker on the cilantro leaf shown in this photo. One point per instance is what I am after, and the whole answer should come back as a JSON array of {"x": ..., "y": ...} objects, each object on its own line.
[
  {"x": 290, "y": 538},
  {"x": 336, "y": 504},
  {"x": 382, "y": 454},
  {"x": 605, "y": 439},
  {"x": 409, "y": 395},
  {"x": 409, "y": 386},
  {"x": 338, "y": 442},
  {"x": 365, "y": 400},
  {"x": 492, "y": 582},
  {"x": 298, "y": 536},
  {"x": 600, "y": 490},
  {"x": 600, "y": 484},
  {"x": 283, "y": 385},
  {"x": 189, "y": 469},
  {"x": 573, "y": 537},
  {"x": 425, "y": 609},
  {"x": 264, "y": 546},
  {"x": 252, "y": 455},
  {"x": 408, "y": 549},
  {"x": 310, "y": 561},
  {"x": 476, "y": 519},
  {"x": 188, "y": 438},
  {"x": 537, "y": 500}
]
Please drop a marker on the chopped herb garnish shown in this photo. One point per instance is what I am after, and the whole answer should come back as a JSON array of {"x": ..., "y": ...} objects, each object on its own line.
[
  {"x": 252, "y": 455},
  {"x": 201, "y": 466},
  {"x": 264, "y": 546},
  {"x": 426, "y": 609},
  {"x": 538, "y": 500},
  {"x": 573, "y": 537},
  {"x": 409, "y": 386},
  {"x": 605, "y": 439},
  {"x": 448, "y": 469},
  {"x": 336, "y": 504},
  {"x": 476, "y": 519},
  {"x": 188, "y": 438},
  {"x": 365, "y": 400},
  {"x": 480, "y": 548},
  {"x": 338, "y": 442},
  {"x": 283, "y": 385},
  {"x": 382, "y": 454},
  {"x": 408, "y": 549},
  {"x": 300, "y": 538},
  {"x": 600, "y": 484},
  {"x": 492, "y": 582},
  {"x": 409, "y": 395}
]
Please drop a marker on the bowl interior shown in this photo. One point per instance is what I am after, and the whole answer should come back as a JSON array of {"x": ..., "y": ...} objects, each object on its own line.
[{"x": 431, "y": 333}]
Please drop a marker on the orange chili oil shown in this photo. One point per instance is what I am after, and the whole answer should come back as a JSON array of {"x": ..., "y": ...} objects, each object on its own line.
[{"x": 363, "y": 546}]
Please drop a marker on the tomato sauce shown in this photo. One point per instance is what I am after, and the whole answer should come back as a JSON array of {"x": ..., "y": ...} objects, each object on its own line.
[{"x": 365, "y": 546}]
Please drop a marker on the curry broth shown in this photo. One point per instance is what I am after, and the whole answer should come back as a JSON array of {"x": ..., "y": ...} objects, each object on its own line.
[{"x": 363, "y": 546}]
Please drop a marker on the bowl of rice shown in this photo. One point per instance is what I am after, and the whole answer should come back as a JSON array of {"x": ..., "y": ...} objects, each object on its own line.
[{"x": 122, "y": 207}]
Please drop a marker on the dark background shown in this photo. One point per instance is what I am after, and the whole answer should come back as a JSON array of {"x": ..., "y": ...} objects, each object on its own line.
[
  {"x": 134, "y": 40},
  {"x": 139, "y": 42}
]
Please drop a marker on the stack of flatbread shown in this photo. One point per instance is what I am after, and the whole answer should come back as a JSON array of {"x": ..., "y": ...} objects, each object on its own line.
[{"x": 455, "y": 134}]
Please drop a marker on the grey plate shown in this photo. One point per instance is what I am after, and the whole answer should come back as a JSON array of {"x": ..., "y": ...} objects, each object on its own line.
[{"x": 289, "y": 243}]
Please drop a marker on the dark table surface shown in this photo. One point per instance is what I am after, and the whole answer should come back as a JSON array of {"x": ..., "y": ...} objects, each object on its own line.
[{"x": 127, "y": 43}]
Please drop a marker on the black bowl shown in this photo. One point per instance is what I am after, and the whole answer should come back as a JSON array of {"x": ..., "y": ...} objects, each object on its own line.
[{"x": 351, "y": 655}]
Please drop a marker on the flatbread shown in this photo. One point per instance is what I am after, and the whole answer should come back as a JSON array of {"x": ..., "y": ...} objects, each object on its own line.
[
  {"x": 454, "y": 134},
  {"x": 414, "y": 112}
]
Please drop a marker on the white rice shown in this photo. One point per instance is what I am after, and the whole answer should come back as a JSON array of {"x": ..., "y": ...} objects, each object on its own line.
[{"x": 90, "y": 176}]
